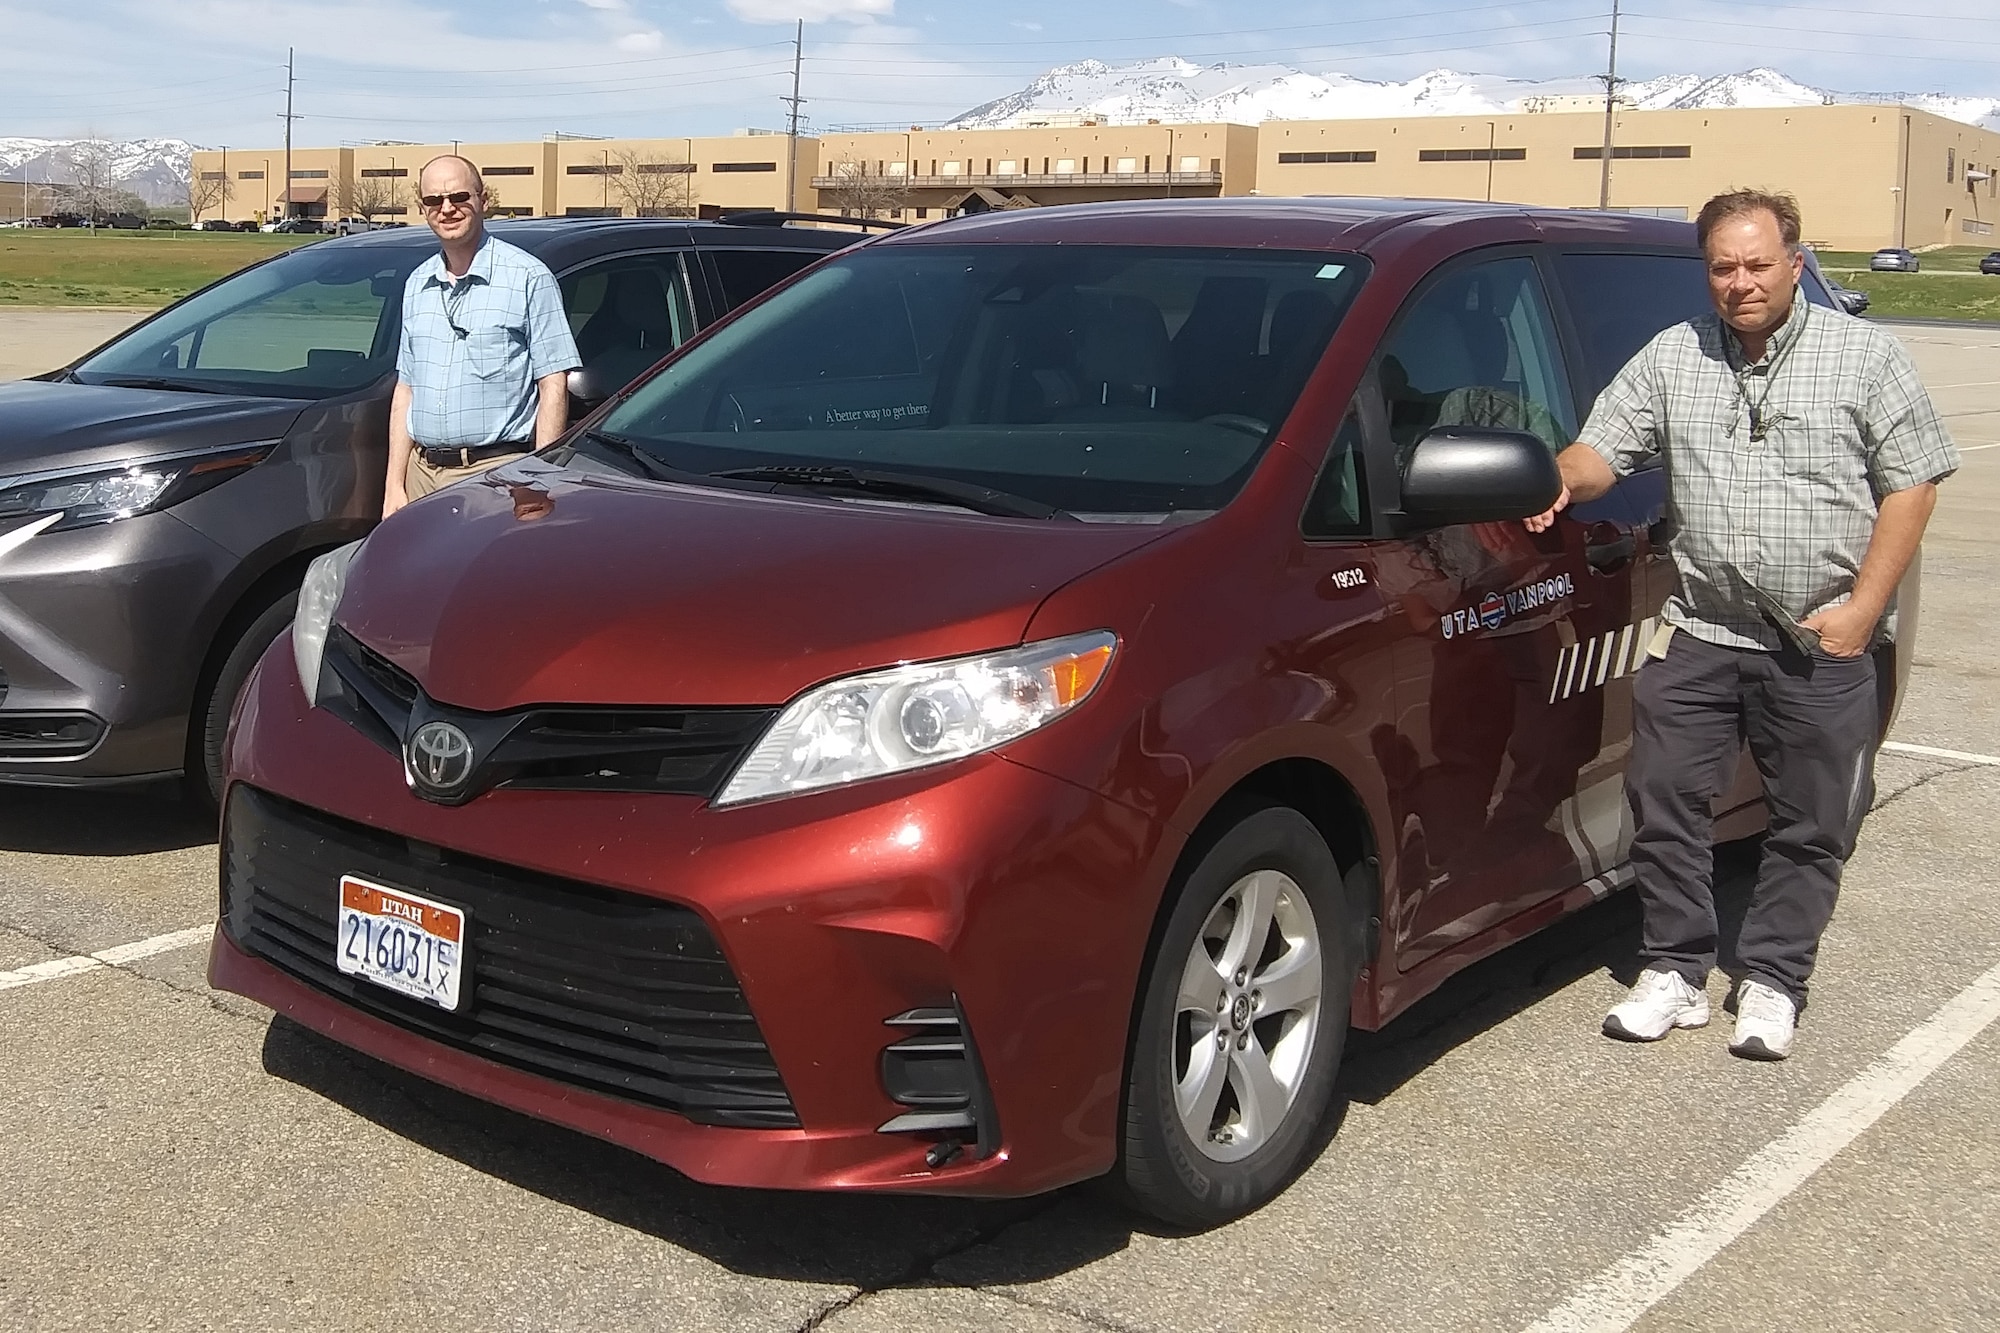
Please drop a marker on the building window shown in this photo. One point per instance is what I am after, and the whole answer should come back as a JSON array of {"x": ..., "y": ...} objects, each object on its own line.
[
  {"x": 596, "y": 169},
  {"x": 1009, "y": 166},
  {"x": 384, "y": 173},
  {"x": 1619, "y": 152},
  {"x": 1950, "y": 165},
  {"x": 743, "y": 166},
  {"x": 1065, "y": 166},
  {"x": 308, "y": 175},
  {"x": 899, "y": 168},
  {"x": 1127, "y": 165},
  {"x": 249, "y": 175},
  {"x": 1472, "y": 154},
  {"x": 593, "y": 212},
  {"x": 503, "y": 171},
  {"x": 1976, "y": 227},
  {"x": 215, "y": 175},
  {"x": 923, "y": 213},
  {"x": 1190, "y": 164},
  {"x": 951, "y": 168},
  {"x": 665, "y": 168},
  {"x": 1353, "y": 155}
]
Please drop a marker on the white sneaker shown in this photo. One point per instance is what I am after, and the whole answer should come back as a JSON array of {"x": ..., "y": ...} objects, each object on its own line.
[
  {"x": 1765, "y": 1020},
  {"x": 1660, "y": 1001}
]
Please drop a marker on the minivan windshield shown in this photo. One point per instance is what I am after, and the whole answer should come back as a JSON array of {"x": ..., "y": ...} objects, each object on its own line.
[
  {"x": 320, "y": 321},
  {"x": 1098, "y": 379}
]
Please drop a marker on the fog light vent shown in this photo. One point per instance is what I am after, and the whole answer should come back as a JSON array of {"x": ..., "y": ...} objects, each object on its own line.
[
  {"x": 937, "y": 1074},
  {"x": 48, "y": 735}
]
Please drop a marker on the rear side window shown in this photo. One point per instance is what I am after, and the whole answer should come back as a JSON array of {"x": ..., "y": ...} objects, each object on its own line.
[
  {"x": 748, "y": 273},
  {"x": 1620, "y": 301}
]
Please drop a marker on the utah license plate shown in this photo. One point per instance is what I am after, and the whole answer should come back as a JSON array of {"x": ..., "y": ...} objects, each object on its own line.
[{"x": 398, "y": 940}]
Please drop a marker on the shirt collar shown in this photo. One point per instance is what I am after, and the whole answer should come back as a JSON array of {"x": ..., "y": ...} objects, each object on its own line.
[
  {"x": 481, "y": 266},
  {"x": 1787, "y": 334}
]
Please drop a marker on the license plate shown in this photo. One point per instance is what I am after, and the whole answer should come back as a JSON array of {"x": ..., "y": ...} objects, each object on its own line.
[{"x": 400, "y": 941}]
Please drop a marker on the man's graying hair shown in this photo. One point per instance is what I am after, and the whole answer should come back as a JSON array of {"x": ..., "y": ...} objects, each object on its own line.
[
  {"x": 478, "y": 180},
  {"x": 1738, "y": 202}
]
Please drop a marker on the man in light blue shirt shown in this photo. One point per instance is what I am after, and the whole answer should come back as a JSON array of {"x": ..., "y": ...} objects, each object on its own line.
[{"x": 482, "y": 371}]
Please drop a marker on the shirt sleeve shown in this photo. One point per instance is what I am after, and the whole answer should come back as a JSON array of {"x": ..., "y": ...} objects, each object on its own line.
[
  {"x": 551, "y": 345},
  {"x": 1624, "y": 425},
  {"x": 1907, "y": 442}
]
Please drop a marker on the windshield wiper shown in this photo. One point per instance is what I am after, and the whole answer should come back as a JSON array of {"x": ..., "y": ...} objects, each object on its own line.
[
  {"x": 172, "y": 386},
  {"x": 908, "y": 485},
  {"x": 646, "y": 463}
]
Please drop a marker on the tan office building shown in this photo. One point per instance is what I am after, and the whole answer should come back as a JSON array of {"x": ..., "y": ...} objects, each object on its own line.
[{"x": 1865, "y": 176}]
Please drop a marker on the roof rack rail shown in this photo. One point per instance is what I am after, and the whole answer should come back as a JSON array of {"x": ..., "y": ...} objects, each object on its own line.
[{"x": 773, "y": 217}]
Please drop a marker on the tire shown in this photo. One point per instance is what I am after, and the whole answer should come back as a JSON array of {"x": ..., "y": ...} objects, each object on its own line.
[
  {"x": 1204, "y": 1144},
  {"x": 208, "y": 727}
]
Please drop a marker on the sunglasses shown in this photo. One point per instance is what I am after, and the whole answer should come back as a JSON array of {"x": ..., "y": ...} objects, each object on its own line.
[{"x": 457, "y": 199}]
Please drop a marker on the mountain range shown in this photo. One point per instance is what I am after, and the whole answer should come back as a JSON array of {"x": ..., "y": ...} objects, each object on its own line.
[
  {"x": 153, "y": 169},
  {"x": 1171, "y": 89}
]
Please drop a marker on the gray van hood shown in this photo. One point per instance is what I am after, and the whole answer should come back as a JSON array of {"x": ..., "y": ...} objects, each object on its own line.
[{"x": 46, "y": 425}]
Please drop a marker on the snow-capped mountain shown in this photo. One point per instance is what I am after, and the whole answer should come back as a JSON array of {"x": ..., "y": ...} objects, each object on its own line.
[
  {"x": 1172, "y": 89},
  {"x": 153, "y": 169}
]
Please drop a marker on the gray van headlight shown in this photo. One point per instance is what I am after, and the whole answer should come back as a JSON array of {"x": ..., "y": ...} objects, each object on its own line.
[
  {"x": 907, "y": 717},
  {"x": 319, "y": 598},
  {"x": 83, "y": 498}
]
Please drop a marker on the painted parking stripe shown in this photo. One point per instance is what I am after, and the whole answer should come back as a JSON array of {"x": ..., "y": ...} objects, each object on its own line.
[
  {"x": 115, "y": 957},
  {"x": 1932, "y": 752},
  {"x": 1616, "y": 1298}
]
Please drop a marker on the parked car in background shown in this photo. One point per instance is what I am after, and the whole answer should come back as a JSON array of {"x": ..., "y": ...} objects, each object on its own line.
[
  {"x": 1892, "y": 259},
  {"x": 161, "y": 497},
  {"x": 250, "y": 224},
  {"x": 218, "y": 224},
  {"x": 355, "y": 226},
  {"x": 996, "y": 711},
  {"x": 301, "y": 227},
  {"x": 1991, "y": 263}
]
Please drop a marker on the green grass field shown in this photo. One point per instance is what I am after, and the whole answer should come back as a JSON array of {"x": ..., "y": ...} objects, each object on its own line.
[
  {"x": 1949, "y": 286},
  {"x": 122, "y": 268}
]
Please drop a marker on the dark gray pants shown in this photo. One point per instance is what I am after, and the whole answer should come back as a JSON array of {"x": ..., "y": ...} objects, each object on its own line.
[{"x": 1812, "y": 727}]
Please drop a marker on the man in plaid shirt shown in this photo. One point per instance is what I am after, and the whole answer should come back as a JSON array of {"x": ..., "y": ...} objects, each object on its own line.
[
  {"x": 1802, "y": 460},
  {"x": 482, "y": 371}
]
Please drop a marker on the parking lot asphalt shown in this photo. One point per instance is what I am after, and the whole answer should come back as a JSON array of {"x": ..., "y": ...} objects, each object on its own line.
[
  {"x": 172, "y": 1158},
  {"x": 32, "y": 341}
]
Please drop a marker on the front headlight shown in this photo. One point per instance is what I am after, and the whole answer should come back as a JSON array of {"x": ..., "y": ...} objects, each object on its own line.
[
  {"x": 909, "y": 717},
  {"x": 84, "y": 498},
  {"x": 319, "y": 598}
]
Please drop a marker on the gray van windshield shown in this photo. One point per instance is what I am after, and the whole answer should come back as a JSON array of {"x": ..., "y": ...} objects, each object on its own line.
[
  {"x": 318, "y": 322},
  {"x": 1093, "y": 378}
]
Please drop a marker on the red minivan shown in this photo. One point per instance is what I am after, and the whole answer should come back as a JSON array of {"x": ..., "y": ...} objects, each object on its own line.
[{"x": 992, "y": 713}]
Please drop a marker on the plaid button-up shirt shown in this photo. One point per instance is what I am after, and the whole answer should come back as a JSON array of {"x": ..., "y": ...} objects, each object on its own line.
[
  {"x": 1844, "y": 422},
  {"x": 472, "y": 348}
]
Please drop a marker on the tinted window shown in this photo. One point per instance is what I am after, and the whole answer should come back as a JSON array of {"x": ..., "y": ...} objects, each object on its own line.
[
  {"x": 317, "y": 322},
  {"x": 746, "y": 273},
  {"x": 1477, "y": 348},
  {"x": 1093, "y": 378},
  {"x": 627, "y": 313},
  {"x": 1339, "y": 504},
  {"x": 1621, "y": 301}
]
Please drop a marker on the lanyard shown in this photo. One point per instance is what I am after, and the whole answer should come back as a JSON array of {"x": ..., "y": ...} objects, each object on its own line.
[{"x": 1760, "y": 421}]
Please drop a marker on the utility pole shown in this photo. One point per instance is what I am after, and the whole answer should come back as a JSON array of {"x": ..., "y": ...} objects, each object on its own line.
[
  {"x": 792, "y": 129},
  {"x": 285, "y": 197},
  {"x": 1610, "y": 103}
]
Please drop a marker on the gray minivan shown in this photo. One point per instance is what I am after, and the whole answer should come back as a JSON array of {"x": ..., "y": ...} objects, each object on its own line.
[{"x": 161, "y": 497}]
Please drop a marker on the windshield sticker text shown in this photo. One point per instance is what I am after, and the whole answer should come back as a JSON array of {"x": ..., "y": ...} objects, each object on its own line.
[{"x": 836, "y": 416}]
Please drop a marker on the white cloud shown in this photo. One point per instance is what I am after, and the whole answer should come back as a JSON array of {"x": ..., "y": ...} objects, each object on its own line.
[
  {"x": 642, "y": 43},
  {"x": 812, "y": 11},
  {"x": 602, "y": 4}
]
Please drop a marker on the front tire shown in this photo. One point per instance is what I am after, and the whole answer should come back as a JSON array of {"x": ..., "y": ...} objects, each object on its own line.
[
  {"x": 1241, "y": 1025},
  {"x": 209, "y": 726}
]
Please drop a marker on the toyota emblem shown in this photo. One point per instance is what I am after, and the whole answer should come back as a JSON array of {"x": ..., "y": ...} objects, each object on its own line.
[{"x": 439, "y": 757}]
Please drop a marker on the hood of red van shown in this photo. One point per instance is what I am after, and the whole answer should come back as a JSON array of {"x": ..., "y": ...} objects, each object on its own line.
[{"x": 594, "y": 590}]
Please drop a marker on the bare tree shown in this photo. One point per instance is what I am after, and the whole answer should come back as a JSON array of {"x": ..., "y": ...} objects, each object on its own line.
[
  {"x": 366, "y": 196},
  {"x": 653, "y": 188},
  {"x": 205, "y": 190},
  {"x": 858, "y": 193},
  {"x": 91, "y": 190}
]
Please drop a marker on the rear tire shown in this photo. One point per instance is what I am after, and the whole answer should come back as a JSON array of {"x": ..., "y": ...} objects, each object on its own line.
[
  {"x": 209, "y": 725},
  {"x": 1227, "y": 1090}
]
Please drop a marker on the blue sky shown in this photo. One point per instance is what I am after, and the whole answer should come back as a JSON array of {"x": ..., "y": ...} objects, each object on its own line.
[{"x": 212, "y": 70}]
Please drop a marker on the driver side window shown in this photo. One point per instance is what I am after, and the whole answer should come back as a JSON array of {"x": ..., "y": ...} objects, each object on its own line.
[
  {"x": 627, "y": 313},
  {"x": 1477, "y": 349}
]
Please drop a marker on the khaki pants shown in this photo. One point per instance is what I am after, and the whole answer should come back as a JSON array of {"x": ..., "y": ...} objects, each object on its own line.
[{"x": 421, "y": 478}]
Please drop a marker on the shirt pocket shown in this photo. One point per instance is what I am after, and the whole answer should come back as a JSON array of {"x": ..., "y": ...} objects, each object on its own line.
[
  {"x": 1818, "y": 442},
  {"x": 491, "y": 350}
]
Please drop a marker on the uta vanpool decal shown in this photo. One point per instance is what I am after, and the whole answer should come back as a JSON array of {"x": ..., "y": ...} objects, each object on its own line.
[{"x": 1494, "y": 608}]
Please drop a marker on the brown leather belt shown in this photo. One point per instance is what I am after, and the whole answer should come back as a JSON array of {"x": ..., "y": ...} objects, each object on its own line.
[{"x": 478, "y": 453}]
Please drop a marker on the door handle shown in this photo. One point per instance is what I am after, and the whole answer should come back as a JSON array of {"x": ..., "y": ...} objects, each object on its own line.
[{"x": 1608, "y": 547}]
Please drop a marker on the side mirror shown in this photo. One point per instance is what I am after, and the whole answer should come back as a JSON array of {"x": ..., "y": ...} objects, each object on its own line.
[
  {"x": 589, "y": 386},
  {"x": 1470, "y": 474}
]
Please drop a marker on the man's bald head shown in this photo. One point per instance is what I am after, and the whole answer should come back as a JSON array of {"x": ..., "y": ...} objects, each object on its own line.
[
  {"x": 447, "y": 172},
  {"x": 454, "y": 201}
]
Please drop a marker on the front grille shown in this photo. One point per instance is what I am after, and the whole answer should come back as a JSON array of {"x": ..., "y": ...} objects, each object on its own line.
[
  {"x": 48, "y": 735},
  {"x": 686, "y": 751},
  {"x": 608, "y": 991}
]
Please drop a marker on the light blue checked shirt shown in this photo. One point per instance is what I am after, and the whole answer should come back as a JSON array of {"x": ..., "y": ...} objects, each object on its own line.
[{"x": 473, "y": 348}]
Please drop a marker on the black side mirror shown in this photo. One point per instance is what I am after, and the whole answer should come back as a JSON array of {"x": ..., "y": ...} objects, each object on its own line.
[
  {"x": 589, "y": 386},
  {"x": 1470, "y": 474}
]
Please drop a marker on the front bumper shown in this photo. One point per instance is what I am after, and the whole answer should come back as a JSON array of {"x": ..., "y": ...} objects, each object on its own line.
[
  {"x": 1018, "y": 895},
  {"x": 101, "y": 624}
]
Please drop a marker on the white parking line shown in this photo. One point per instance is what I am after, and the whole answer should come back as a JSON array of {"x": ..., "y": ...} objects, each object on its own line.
[
  {"x": 1616, "y": 1298},
  {"x": 1932, "y": 752},
  {"x": 115, "y": 957}
]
